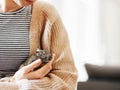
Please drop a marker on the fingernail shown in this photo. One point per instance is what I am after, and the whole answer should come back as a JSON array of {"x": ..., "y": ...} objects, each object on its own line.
[{"x": 38, "y": 60}]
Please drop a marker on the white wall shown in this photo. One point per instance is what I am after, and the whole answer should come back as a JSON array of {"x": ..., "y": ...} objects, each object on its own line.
[
  {"x": 110, "y": 28},
  {"x": 94, "y": 31}
]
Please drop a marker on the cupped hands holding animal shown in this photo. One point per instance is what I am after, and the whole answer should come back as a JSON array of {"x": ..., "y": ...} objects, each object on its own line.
[{"x": 28, "y": 72}]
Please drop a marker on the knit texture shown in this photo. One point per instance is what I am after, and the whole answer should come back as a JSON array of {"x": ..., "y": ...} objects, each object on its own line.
[{"x": 48, "y": 32}]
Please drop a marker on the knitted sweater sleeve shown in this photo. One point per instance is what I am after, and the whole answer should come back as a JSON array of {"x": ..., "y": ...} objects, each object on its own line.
[{"x": 63, "y": 75}]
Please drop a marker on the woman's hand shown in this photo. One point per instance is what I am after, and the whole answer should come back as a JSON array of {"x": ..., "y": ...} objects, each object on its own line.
[
  {"x": 24, "y": 2},
  {"x": 27, "y": 71}
]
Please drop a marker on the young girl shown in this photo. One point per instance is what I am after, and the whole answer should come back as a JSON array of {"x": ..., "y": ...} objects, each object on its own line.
[{"x": 26, "y": 25}]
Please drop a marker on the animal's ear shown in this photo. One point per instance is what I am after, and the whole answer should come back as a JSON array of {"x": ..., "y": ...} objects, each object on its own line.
[{"x": 38, "y": 50}]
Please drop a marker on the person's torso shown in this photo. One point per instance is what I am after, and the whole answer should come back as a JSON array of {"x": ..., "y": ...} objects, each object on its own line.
[{"x": 14, "y": 39}]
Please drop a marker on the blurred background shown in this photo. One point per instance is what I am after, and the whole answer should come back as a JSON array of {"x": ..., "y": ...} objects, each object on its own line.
[{"x": 94, "y": 31}]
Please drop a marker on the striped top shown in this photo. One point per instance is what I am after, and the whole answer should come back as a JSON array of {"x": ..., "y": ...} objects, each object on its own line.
[{"x": 14, "y": 39}]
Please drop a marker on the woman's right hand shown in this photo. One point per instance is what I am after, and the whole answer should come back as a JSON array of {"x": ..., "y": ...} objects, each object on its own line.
[{"x": 27, "y": 71}]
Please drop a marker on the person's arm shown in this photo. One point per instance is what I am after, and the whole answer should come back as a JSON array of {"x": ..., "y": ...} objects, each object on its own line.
[{"x": 63, "y": 75}]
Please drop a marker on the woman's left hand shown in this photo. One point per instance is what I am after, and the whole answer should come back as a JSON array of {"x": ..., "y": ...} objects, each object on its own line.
[{"x": 27, "y": 72}]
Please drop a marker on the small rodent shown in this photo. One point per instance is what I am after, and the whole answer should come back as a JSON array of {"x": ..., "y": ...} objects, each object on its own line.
[{"x": 44, "y": 55}]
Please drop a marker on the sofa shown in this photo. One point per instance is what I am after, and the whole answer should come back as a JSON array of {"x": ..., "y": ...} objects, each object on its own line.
[{"x": 101, "y": 78}]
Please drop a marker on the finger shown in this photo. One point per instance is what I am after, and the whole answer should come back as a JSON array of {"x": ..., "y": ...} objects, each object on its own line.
[
  {"x": 12, "y": 79},
  {"x": 33, "y": 65},
  {"x": 40, "y": 73},
  {"x": 43, "y": 71}
]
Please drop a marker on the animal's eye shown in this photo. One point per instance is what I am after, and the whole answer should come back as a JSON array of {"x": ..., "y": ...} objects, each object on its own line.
[{"x": 43, "y": 53}]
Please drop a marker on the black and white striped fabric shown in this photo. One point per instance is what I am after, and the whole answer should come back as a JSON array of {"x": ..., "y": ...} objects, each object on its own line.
[{"x": 14, "y": 39}]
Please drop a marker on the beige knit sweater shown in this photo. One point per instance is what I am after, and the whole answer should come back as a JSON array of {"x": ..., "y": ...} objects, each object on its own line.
[{"x": 48, "y": 32}]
